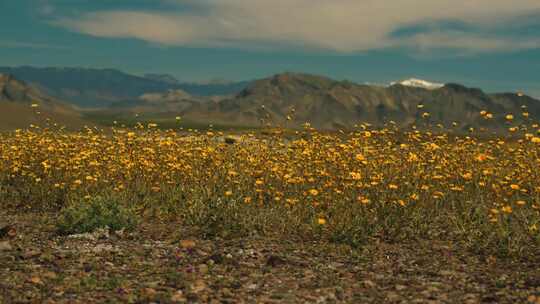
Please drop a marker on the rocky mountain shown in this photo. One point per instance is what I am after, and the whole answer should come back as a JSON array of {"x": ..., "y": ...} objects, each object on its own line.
[
  {"x": 103, "y": 87},
  {"x": 330, "y": 104},
  {"x": 288, "y": 99},
  {"x": 22, "y": 105}
]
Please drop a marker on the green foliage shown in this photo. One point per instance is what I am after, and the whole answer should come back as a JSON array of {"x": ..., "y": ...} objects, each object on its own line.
[{"x": 97, "y": 212}]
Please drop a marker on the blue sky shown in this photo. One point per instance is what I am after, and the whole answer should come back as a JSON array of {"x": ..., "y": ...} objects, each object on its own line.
[{"x": 492, "y": 44}]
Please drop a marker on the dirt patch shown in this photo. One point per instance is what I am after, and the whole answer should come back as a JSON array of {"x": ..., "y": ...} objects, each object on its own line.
[{"x": 168, "y": 263}]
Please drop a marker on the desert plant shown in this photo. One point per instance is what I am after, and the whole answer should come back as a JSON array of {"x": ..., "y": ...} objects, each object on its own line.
[{"x": 94, "y": 213}]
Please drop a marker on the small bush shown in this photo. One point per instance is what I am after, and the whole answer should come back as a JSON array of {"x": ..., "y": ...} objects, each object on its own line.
[{"x": 98, "y": 212}]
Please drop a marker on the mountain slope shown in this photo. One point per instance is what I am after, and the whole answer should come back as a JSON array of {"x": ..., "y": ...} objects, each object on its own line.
[
  {"x": 22, "y": 105},
  {"x": 330, "y": 104}
]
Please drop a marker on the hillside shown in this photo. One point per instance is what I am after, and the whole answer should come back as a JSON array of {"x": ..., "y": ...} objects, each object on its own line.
[
  {"x": 330, "y": 104},
  {"x": 22, "y": 105}
]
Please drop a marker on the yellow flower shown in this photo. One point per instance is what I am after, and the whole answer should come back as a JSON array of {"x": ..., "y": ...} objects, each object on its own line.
[
  {"x": 360, "y": 157},
  {"x": 314, "y": 192},
  {"x": 507, "y": 209},
  {"x": 509, "y": 117},
  {"x": 481, "y": 157},
  {"x": 228, "y": 193},
  {"x": 514, "y": 187},
  {"x": 321, "y": 221},
  {"x": 520, "y": 203},
  {"x": 467, "y": 176},
  {"x": 355, "y": 175}
]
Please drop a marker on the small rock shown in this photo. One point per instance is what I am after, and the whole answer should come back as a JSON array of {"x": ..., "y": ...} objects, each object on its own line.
[
  {"x": 7, "y": 231},
  {"x": 392, "y": 297},
  {"x": 187, "y": 244},
  {"x": 149, "y": 292},
  {"x": 31, "y": 254},
  {"x": 369, "y": 284},
  {"x": 35, "y": 280},
  {"x": 215, "y": 259},
  {"x": 102, "y": 247},
  {"x": 5, "y": 246},
  {"x": 203, "y": 268},
  {"x": 198, "y": 286},
  {"x": 340, "y": 293},
  {"x": 50, "y": 275},
  {"x": 178, "y": 297},
  {"x": 227, "y": 293},
  {"x": 400, "y": 287},
  {"x": 447, "y": 273},
  {"x": 274, "y": 261}
]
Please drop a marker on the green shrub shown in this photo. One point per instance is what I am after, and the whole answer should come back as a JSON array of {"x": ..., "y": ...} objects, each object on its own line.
[{"x": 99, "y": 212}]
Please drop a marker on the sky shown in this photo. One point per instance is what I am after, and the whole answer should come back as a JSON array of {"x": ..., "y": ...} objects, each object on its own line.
[{"x": 490, "y": 44}]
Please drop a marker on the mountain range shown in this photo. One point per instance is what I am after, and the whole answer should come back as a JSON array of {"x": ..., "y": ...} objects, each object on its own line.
[
  {"x": 92, "y": 88},
  {"x": 292, "y": 99},
  {"x": 287, "y": 99}
]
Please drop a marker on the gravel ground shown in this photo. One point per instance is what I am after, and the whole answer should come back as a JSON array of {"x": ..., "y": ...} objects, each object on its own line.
[{"x": 167, "y": 263}]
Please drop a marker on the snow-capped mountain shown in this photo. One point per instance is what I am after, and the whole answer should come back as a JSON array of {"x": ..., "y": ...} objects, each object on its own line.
[{"x": 419, "y": 83}]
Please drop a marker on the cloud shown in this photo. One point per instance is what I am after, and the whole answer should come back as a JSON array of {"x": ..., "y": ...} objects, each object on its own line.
[
  {"x": 30, "y": 45},
  {"x": 337, "y": 25},
  {"x": 469, "y": 42}
]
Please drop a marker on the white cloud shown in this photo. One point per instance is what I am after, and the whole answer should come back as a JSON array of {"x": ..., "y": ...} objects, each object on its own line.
[
  {"x": 469, "y": 42},
  {"x": 338, "y": 25}
]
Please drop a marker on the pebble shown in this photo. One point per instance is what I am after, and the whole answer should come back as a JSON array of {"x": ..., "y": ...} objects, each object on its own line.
[
  {"x": 5, "y": 246},
  {"x": 203, "y": 268}
]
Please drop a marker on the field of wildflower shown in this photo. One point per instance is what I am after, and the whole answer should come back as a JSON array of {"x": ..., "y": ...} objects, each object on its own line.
[
  {"x": 343, "y": 187},
  {"x": 371, "y": 215}
]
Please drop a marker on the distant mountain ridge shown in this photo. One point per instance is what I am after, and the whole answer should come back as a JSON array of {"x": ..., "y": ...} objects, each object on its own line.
[
  {"x": 287, "y": 99},
  {"x": 87, "y": 87},
  {"x": 291, "y": 99}
]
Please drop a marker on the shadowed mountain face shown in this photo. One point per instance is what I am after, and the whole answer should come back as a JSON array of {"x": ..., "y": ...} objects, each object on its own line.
[
  {"x": 22, "y": 105},
  {"x": 103, "y": 87},
  {"x": 330, "y": 104}
]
